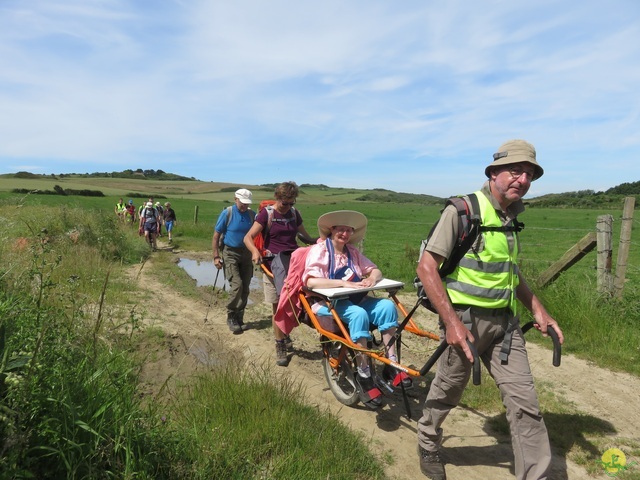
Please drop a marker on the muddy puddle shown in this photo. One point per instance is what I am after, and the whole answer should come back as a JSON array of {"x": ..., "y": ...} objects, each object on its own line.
[{"x": 206, "y": 274}]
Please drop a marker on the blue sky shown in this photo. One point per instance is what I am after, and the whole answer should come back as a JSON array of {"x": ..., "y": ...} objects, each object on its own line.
[{"x": 413, "y": 96}]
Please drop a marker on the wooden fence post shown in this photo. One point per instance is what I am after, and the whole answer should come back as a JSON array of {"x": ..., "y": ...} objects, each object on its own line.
[
  {"x": 623, "y": 249},
  {"x": 604, "y": 227},
  {"x": 195, "y": 216},
  {"x": 570, "y": 258}
]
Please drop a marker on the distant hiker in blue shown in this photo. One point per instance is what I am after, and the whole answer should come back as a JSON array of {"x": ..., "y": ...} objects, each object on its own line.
[{"x": 169, "y": 216}]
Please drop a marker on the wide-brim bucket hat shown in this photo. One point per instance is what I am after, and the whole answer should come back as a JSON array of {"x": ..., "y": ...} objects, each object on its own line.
[
  {"x": 349, "y": 218},
  {"x": 515, "y": 151}
]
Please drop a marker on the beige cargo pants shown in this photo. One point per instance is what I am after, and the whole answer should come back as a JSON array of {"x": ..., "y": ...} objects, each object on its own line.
[{"x": 529, "y": 438}]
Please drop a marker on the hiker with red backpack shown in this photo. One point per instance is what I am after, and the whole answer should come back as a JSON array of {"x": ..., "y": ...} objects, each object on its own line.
[
  {"x": 280, "y": 225},
  {"x": 228, "y": 239},
  {"x": 477, "y": 301},
  {"x": 131, "y": 212}
]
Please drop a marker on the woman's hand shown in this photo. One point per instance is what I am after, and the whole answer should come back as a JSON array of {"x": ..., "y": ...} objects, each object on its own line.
[
  {"x": 364, "y": 283},
  {"x": 368, "y": 282}
]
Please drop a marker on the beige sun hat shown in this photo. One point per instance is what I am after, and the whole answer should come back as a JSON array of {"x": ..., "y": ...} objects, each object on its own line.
[
  {"x": 515, "y": 151},
  {"x": 350, "y": 218}
]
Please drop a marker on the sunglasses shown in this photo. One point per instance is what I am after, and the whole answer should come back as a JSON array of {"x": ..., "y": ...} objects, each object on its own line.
[{"x": 288, "y": 204}]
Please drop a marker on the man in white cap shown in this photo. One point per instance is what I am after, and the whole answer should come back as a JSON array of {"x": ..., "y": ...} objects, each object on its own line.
[
  {"x": 149, "y": 223},
  {"x": 228, "y": 239},
  {"x": 476, "y": 302}
]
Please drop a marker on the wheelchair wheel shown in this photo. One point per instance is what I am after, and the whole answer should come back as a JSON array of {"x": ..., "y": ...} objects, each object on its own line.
[{"x": 338, "y": 371}]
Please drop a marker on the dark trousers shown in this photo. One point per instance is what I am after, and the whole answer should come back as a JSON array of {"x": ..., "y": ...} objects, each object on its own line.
[{"x": 238, "y": 270}]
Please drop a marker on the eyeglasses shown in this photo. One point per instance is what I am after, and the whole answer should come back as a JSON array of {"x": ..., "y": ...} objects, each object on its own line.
[
  {"x": 517, "y": 172},
  {"x": 342, "y": 229}
]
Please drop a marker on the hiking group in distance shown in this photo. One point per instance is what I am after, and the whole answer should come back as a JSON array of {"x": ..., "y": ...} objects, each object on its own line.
[{"x": 150, "y": 218}]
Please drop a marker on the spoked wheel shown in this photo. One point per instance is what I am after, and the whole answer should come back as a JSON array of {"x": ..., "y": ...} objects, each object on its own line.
[{"x": 338, "y": 370}]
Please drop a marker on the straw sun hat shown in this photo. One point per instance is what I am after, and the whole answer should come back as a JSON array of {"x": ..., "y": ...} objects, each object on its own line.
[{"x": 349, "y": 218}]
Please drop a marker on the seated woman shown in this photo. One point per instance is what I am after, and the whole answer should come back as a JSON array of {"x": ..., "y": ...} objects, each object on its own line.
[{"x": 335, "y": 262}]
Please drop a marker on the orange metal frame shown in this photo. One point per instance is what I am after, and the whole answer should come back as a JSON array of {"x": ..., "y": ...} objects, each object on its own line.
[{"x": 344, "y": 338}]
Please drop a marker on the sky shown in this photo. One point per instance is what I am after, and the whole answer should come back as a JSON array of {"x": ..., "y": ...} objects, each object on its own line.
[{"x": 412, "y": 96}]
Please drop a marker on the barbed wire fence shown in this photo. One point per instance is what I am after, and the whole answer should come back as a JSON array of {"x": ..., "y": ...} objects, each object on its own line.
[{"x": 610, "y": 281}]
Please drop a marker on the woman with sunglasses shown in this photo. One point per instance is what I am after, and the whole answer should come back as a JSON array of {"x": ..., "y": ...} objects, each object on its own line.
[{"x": 280, "y": 225}]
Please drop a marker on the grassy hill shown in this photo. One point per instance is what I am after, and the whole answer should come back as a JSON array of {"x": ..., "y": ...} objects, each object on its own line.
[
  {"x": 180, "y": 187},
  {"x": 141, "y": 183}
]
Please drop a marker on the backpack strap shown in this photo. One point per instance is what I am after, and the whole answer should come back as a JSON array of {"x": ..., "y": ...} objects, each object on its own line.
[
  {"x": 270, "y": 209},
  {"x": 229, "y": 210},
  {"x": 469, "y": 226},
  {"x": 229, "y": 214},
  {"x": 149, "y": 209}
]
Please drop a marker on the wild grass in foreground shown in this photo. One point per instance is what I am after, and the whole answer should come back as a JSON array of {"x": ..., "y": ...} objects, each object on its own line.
[{"x": 239, "y": 423}]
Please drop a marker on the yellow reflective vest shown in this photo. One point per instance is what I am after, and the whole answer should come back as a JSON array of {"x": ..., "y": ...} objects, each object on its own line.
[{"x": 487, "y": 276}]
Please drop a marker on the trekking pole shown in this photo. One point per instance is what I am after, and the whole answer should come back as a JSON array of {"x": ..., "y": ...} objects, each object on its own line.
[{"x": 213, "y": 291}]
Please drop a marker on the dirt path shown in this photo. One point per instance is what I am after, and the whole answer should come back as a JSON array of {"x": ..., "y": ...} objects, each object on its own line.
[{"x": 473, "y": 451}]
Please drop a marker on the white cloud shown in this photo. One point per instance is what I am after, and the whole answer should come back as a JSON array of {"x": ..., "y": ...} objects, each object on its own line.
[{"x": 419, "y": 94}]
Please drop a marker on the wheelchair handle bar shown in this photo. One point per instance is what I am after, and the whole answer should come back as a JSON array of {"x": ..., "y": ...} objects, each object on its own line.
[
  {"x": 557, "y": 348},
  {"x": 440, "y": 350}
]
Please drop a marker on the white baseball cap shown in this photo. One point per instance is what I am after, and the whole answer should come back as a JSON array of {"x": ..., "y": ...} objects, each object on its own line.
[{"x": 244, "y": 196}]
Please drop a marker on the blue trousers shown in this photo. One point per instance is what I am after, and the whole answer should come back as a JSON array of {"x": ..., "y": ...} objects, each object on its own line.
[{"x": 380, "y": 312}]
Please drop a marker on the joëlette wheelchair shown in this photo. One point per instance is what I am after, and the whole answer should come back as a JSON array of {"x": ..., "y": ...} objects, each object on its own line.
[
  {"x": 339, "y": 360},
  {"x": 340, "y": 352}
]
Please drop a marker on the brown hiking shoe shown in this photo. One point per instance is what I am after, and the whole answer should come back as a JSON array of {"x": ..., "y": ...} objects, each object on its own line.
[
  {"x": 432, "y": 465},
  {"x": 289, "y": 343},
  {"x": 282, "y": 359}
]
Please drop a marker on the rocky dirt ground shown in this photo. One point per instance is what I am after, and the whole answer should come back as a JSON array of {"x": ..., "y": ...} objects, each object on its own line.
[{"x": 473, "y": 450}]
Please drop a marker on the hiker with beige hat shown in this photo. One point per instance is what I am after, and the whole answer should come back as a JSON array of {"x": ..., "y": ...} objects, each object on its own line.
[{"x": 478, "y": 302}]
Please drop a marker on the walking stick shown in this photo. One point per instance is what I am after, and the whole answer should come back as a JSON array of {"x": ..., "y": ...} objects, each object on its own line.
[{"x": 213, "y": 291}]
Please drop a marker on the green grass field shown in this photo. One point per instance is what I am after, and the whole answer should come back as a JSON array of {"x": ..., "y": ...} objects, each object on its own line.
[{"x": 394, "y": 231}]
